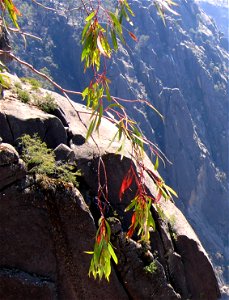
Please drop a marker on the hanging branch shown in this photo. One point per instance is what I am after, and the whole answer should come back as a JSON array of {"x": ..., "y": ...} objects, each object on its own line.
[{"x": 101, "y": 35}]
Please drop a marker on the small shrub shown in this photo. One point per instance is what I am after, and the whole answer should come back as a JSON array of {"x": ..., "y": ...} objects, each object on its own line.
[
  {"x": 38, "y": 158},
  {"x": 151, "y": 268},
  {"x": 172, "y": 220},
  {"x": 18, "y": 85},
  {"x": 23, "y": 95},
  {"x": 46, "y": 103},
  {"x": 174, "y": 236},
  {"x": 41, "y": 160},
  {"x": 65, "y": 172},
  {"x": 35, "y": 84}
]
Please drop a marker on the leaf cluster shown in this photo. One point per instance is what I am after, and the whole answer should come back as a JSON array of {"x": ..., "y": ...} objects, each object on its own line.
[
  {"x": 9, "y": 6},
  {"x": 103, "y": 252},
  {"x": 141, "y": 217}
]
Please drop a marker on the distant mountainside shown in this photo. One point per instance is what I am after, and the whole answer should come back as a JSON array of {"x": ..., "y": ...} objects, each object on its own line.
[
  {"x": 219, "y": 11},
  {"x": 182, "y": 68},
  {"x": 47, "y": 223}
]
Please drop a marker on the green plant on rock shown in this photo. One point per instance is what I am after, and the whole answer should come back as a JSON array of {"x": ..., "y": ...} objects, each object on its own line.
[
  {"x": 23, "y": 95},
  {"x": 18, "y": 85},
  {"x": 151, "y": 268},
  {"x": 46, "y": 103},
  {"x": 35, "y": 84},
  {"x": 40, "y": 159}
]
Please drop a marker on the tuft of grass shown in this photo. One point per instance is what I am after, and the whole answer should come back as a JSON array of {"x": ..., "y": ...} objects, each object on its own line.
[
  {"x": 46, "y": 103},
  {"x": 18, "y": 85},
  {"x": 151, "y": 268},
  {"x": 23, "y": 95},
  {"x": 35, "y": 84},
  {"x": 40, "y": 159}
]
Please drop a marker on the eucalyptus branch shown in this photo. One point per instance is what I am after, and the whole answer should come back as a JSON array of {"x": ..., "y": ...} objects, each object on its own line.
[
  {"x": 31, "y": 67},
  {"x": 15, "y": 30}
]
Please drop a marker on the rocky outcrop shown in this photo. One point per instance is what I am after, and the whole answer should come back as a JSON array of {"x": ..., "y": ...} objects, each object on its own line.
[
  {"x": 46, "y": 225},
  {"x": 182, "y": 69}
]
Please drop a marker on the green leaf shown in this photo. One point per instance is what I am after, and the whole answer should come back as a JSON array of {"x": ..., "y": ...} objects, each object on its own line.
[
  {"x": 89, "y": 252},
  {"x": 151, "y": 222},
  {"x": 108, "y": 229},
  {"x": 156, "y": 164},
  {"x": 114, "y": 40},
  {"x": 90, "y": 16},
  {"x": 85, "y": 30},
  {"x": 85, "y": 92},
  {"x": 91, "y": 128},
  {"x": 112, "y": 253},
  {"x": 131, "y": 205},
  {"x": 168, "y": 188},
  {"x": 116, "y": 21}
]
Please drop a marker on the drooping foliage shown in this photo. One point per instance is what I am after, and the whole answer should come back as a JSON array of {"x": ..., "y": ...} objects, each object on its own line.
[{"x": 103, "y": 31}]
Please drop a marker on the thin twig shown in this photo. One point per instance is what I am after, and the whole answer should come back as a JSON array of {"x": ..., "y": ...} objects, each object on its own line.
[
  {"x": 29, "y": 66},
  {"x": 15, "y": 30}
]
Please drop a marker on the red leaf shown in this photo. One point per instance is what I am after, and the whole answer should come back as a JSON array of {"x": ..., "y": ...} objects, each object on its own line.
[
  {"x": 130, "y": 232},
  {"x": 99, "y": 237},
  {"x": 132, "y": 226},
  {"x": 158, "y": 196},
  {"x": 133, "y": 36},
  {"x": 126, "y": 183}
]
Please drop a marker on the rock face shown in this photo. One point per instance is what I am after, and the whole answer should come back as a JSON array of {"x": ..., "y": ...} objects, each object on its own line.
[
  {"x": 218, "y": 10},
  {"x": 182, "y": 69},
  {"x": 46, "y": 226}
]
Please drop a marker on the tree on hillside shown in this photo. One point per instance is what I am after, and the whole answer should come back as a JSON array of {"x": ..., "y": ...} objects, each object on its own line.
[{"x": 104, "y": 29}]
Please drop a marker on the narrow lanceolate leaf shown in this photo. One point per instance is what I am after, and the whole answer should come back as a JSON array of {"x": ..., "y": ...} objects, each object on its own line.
[
  {"x": 126, "y": 183},
  {"x": 89, "y": 252},
  {"x": 12, "y": 10},
  {"x": 156, "y": 164},
  {"x": 168, "y": 188},
  {"x": 91, "y": 129},
  {"x": 116, "y": 22},
  {"x": 100, "y": 47},
  {"x": 131, "y": 205},
  {"x": 85, "y": 30},
  {"x": 90, "y": 16},
  {"x": 133, "y": 36},
  {"x": 112, "y": 253},
  {"x": 114, "y": 40}
]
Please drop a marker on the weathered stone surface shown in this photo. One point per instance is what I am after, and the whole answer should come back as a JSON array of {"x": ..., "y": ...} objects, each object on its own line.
[
  {"x": 201, "y": 282},
  {"x": 45, "y": 231},
  {"x": 19, "y": 118},
  {"x": 64, "y": 153},
  {"x": 140, "y": 283},
  {"x": 12, "y": 167},
  {"x": 46, "y": 227},
  {"x": 15, "y": 284},
  {"x": 182, "y": 69},
  {"x": 177, "y": 274},
  {"x": 8, "y": 154}
]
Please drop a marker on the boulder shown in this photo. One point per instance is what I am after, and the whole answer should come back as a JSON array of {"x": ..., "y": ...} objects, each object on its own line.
[
  {"x": 64, "y": 153},
  {"x": 12, "y": 167},
  {"x": 18, "y": 118}
]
